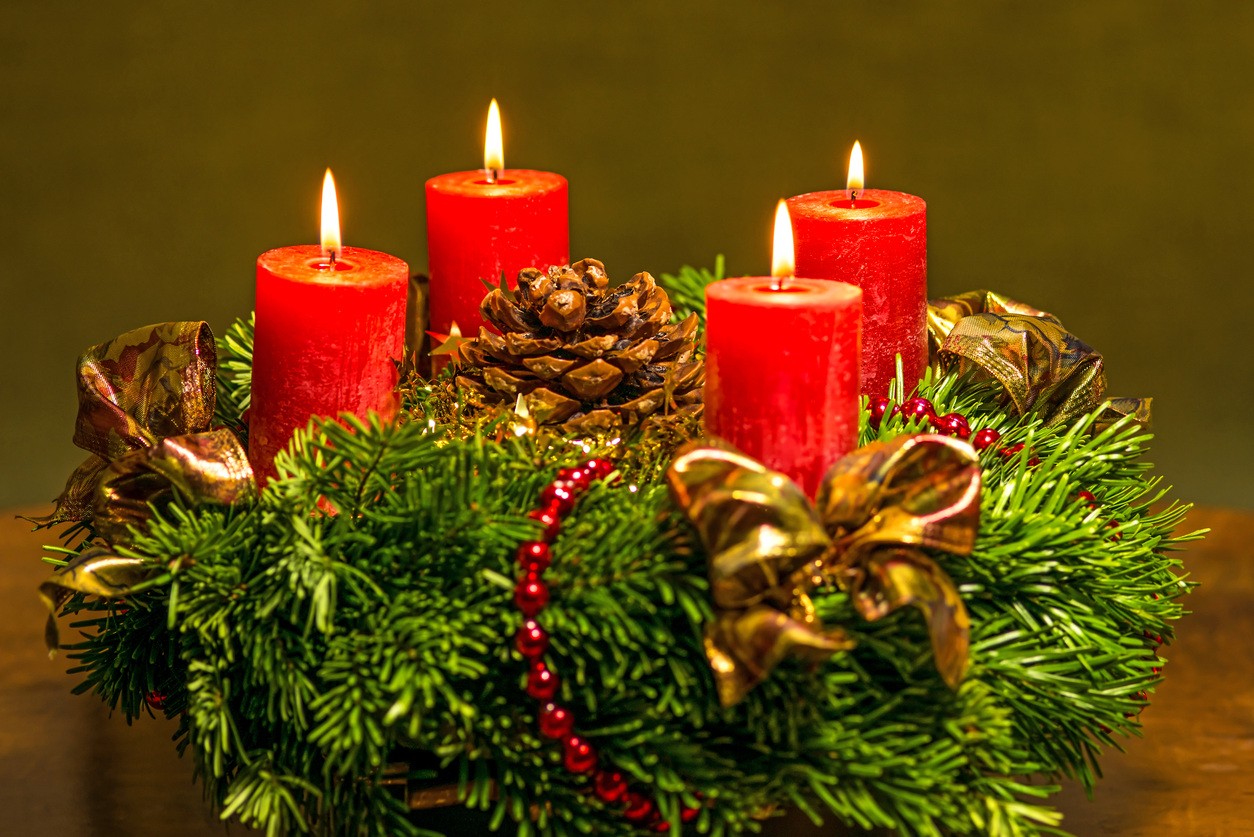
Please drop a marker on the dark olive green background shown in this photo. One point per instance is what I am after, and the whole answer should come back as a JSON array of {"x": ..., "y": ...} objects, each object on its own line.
[{"x": 1095, "y": 159}]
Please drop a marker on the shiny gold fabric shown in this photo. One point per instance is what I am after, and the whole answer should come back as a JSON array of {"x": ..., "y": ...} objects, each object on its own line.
[
  {"x": 96, "y": 572},
  {"x": 1042, "y": 367},
  {"x": 768, "y": 547},
  {"x": 146, "y": 401}
]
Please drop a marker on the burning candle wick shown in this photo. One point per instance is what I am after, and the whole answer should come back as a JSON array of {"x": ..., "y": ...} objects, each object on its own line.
[{"x": 491, "y": 175}]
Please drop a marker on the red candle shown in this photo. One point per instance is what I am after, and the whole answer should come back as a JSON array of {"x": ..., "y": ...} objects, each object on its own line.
[
  {"x": 877, "y": 240},
  {"x": 330, "y": 325},
  {"x": 782, "y": 366},
  {"x": 482, "y": 224}
]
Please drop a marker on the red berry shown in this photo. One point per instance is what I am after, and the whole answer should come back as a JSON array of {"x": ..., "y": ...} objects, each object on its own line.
[
  {"x": 661, "y": 827},
  {"x": 985, "y": 438},
  {"x": 639, "y": 807},
  {"x": 879, "y": 408},
  {"x": 531, "y": 595},
  {"x": 688, "y": 814},
  {"x": 609, "y": 785},
  {"x": 550, "y": 519},
  {"x": 1013, "y": 450},
  {"x": 157, "y": 700},
  {"x": 542, "y": 681},
  {"x": 534, "y": 556},
  {"x": 531, "y": 640},
  {"x": 559, "y": 496},
  {"x": 917, "y": 410},
  {"x": 1034, "y": 461},
  {"x": 1114, "y": 524},
  {"x": 952, "y": 424},
  {"x": 555, "y": 721},
  {"x": 578, "y": 755},
  {"x": 1088, "y": 498}
]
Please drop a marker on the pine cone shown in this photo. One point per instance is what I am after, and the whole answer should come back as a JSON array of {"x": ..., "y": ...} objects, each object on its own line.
[{"x": 583, "y": 355}]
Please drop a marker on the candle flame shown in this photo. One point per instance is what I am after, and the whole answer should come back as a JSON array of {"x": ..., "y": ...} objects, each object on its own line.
[
  {"x": 330, "y": 218},
  {"x": 493, "y": 147},
  {"x": 783, "y": 256},
  {"x": 856, "y": 180}
]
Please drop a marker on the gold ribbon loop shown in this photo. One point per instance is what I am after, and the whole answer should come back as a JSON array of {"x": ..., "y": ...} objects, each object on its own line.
[
  {"x": 146, "y": 400},
  {"x": 768, "y": 547},
  {"x": 1042, "y": 367}
]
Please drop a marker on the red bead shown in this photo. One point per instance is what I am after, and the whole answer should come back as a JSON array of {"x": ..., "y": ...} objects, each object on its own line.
[
  {"x": 598, "y": 468},
  {"x": 580, "y": 478},
  {"x": 531, "y": 595},
  {"x": 1114, "y": 524},
  {"x": 534, "y": 556},
  {"x": 879, "y": 408},
  {"x": 551, "y": 521},
  {"x": 156, "y": 700},
  {"x": 1034, "y": 461},
  {"x": 985, "y": 438},
  {"x": 917, "y": 410},
  {"x": 1013, "y": 450},
  {"x": 609, "y": 785},
  {"x": 531, "y": 640},
  {"x": 952, "y": 424},
  {"x": 1087, "y": 497},
  {"x": 578, "y": 755},
  {"x": 688, "y": 814},
  {"x": 555, "y": 721},
  {"x": 559, "y": 496},
  {"x": 639, "y": 807},
  {"x": 542, "y": 682},
  {"x": 662, "y": 826}
]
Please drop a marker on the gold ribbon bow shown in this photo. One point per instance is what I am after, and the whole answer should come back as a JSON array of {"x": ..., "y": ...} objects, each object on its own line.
[
  {"x": 1043, "y": 367},
  {"x": 768, "y": 547},
  {"x": 145, "y": 403}
]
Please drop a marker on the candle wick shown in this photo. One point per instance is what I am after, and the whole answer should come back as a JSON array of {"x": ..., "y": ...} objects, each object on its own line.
[
  {"x": 492, "y": 175},
  {"x": 331, "y": 256},
  {"x": 853, "y": 195}
]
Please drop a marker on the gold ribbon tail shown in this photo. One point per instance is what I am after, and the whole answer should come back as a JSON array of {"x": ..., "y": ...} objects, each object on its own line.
[{"x": 96, "y": 572}]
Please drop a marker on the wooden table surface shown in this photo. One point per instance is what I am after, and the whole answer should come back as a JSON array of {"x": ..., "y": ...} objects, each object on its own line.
[{"x": 67, "y": 768}]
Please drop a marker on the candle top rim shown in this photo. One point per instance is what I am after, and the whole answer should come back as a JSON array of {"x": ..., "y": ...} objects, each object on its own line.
[
  {"x": 297, "y": 262},
  {"x": 889, "y": 204},
  {"x": 797, "y": 293},
  {"x": 509, "y": 182}
]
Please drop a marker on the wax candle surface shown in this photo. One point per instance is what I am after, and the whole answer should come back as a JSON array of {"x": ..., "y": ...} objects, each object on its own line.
[
  {"x": 478, "y": 230},
  {"x": 878, "y": 243},
  {"x": 782, "y": 372},
  {"x": 326, "y": 341}
]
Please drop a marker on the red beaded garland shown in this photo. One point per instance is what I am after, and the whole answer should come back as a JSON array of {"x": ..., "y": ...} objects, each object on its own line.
[
  {"x": 558, "y": 495},
  {"x": 952, "y": 424},
  {"x": 550, "y": 519},
  {"x": 531, "y": 595},
  {"x": 879, "y": 408},
  {"x": 609, "y": 786},
  {"x": 555, "y": 721},
  {"x": 639, "y": 807},
  {"x": 542, "y": 682},
  {"x": 917, "y": 409},
  {"x": 531, "y": 640},
  {"x": 578, "y": 755},
  {"x": 984, "y": 438},
  {"x": 534, "y": 556}
]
